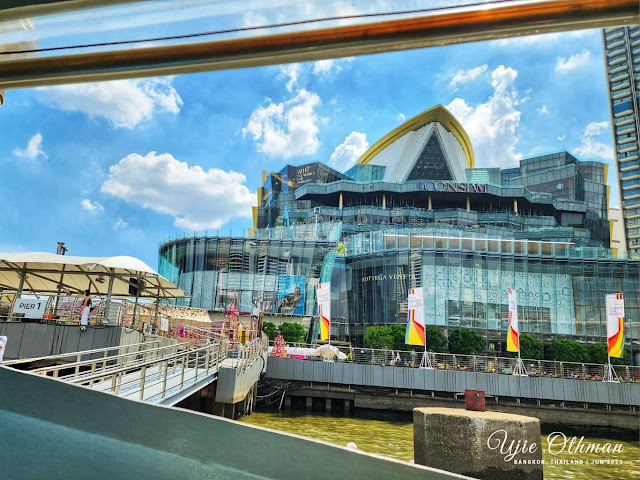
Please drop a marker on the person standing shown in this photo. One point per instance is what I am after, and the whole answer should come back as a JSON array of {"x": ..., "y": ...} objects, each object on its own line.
[
  {"x": 3, "y": 344},
  {"x": 85, "y": 310}
]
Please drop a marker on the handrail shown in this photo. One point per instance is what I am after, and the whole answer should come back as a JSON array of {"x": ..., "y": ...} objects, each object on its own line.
[
  {"x": 175, "y": 372},
  {"x": 250, "y": 351},
  {"x": 104, "y": 360},
  {"x": 76, "y": 354},
  {"x": 144, "y": 364},
  {"x": 487, "y": 364}
]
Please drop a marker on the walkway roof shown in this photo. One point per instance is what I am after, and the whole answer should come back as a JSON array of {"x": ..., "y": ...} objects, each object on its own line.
[{"x": 48, "y": 272}]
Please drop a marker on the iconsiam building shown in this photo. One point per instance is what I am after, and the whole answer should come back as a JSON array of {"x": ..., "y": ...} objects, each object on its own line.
[{"x": 413, "y": 212}]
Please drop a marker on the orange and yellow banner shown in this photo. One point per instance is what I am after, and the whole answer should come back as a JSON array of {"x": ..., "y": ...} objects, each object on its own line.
[
  {"x": 513, "y": 340},
  {"x": 414, "y": 334},
  {"x": 615, "y": 324},
  {"x": 323, "y": 295}
]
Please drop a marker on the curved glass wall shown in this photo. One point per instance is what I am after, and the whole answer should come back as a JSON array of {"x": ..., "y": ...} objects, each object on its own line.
[{"x": 278, "y": 272}]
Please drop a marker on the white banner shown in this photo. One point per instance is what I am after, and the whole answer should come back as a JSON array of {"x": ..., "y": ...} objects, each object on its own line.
[
  {"x": 323, "y": 296},
  {"x": 416, "y": 303},
  {"x": 513, "y": 332},
  {"x": 31, "y": 306},
  {"x": 615, "y": 324},
  {"x": 164, "y": 324},
  {"x": 513, "y": 310}
]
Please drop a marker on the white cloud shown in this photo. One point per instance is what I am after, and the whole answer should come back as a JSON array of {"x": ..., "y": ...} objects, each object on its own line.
[
  {"x": 93, "y": 207},
  {"x": 33, "y": 150},
  {"x": 287, "y": 128},
  {"x": 492, "y": 125},
  {"x": 543, "y": 110},
  {"x": 590, "y": 147},
  {"x": 562, "y": 137},
  {"x": 291, "y": 72},
  {"x": 463, "y": 76},
  {"x": 322, "y": 67},
  {"x": 120, "y": 224},
  {"x": 401, "y": 117},
  {"x": 347, "y": 153},
  {"x": 124, "y": 103},
  {"x": 326, "y": 67},
  {"x": 576, "y": 60},
  {"x": 197, "y": 199}
]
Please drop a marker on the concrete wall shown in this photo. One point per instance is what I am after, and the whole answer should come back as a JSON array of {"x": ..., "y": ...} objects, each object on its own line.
[
  {"x": 27, "y": 340},
  {"x": 557, "y": 389},
  {"x": 78, "y": 433},
  {"x": 234, "y": 385},
  {"x": 598, "y": 422}
]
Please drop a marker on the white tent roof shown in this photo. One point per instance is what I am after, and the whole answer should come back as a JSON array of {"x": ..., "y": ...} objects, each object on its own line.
[{"x": 44, "y": 272}]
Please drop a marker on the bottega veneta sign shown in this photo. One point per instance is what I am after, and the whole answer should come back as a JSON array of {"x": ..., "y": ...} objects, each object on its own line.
[{"x": 454, "y": 187}]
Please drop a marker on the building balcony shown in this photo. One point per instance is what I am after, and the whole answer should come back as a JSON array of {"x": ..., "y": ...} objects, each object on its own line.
[
  {"x": 616, "y": 69},
  {"x": 620, "y": 93},
  {"x": 617, "y": 43},
  {"x": 619, "y": 77},
  {"x": 614, "y": 35},
  {"x": 630, "y": 128},
  {"x": 617, "y": 51},
  {"x": 627, "y": 147},
  {"x": 620, "y": 86}
]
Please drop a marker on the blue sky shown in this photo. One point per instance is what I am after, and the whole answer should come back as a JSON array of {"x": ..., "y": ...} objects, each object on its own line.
[{"x": 78, "y": 162}]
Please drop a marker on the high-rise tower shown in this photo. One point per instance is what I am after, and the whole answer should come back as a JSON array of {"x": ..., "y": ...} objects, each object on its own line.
[{"x": 622, "y": 63}]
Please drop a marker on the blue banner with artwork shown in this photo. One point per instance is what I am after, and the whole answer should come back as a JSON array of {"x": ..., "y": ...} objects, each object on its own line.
[{"x": 291, "y": 290}]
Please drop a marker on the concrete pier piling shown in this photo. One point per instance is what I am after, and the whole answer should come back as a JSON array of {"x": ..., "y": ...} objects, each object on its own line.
[{"x": 484, "y": 445}]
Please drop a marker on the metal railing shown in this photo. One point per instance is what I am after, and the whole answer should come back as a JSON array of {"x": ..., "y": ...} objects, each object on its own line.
[
  {"x": 155, "y": 376},
  {"x": 249, "y": 352},
  {"x": 132, "y": 349},
  {"x": 483, "y": 364}
]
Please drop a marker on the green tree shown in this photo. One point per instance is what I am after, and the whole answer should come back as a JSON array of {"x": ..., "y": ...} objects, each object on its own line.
[
  {"x": 270, "y": 330},
  {"x": 292, "y": 332},
  {"x": 436, "y": 341},
  {"x": 379, "y": 337},
  {"x": 465, "y": 341},
  {"x": 566, "y": 351},
  {"x": 530, "y": 347},
  {"x": 597, "y": 353},
  {"x": 398, "y": 331}
]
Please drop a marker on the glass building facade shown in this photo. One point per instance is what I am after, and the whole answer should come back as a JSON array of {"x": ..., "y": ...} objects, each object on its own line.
[
  {"x": 541, "y": 228},
  {"x": 561, "y": 288},
  {"x": 622, "y": 64},
  {"x": 279, "y": 264}
]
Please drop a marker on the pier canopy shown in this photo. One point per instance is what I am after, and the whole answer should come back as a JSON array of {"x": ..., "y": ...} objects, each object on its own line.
[{"x": 120, "y": 276}]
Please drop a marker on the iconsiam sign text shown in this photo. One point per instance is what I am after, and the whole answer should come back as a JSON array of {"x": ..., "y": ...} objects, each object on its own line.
[{"x": 453, "y": 187}]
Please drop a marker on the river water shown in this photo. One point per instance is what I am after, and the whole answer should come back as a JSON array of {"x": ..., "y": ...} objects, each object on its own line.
[{"x": 391, "y": 434}]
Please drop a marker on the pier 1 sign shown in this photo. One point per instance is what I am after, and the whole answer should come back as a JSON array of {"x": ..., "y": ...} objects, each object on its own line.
[{"x": 32, "y": 307}]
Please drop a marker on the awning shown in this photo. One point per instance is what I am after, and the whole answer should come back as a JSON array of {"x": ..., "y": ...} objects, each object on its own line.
[{"x": 50, "y": 273}]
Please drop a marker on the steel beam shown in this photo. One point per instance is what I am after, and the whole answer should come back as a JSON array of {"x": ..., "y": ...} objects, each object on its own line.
[{"x": 466, "y": 24}]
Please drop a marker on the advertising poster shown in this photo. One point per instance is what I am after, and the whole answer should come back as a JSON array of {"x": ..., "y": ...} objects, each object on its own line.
[
  {"x": 291, "y": 290},
  {"x": 415, "y": 318},
  {"x": 615, "y": 324}
]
